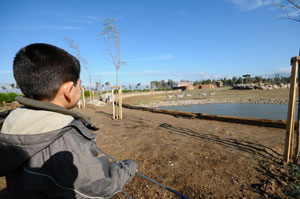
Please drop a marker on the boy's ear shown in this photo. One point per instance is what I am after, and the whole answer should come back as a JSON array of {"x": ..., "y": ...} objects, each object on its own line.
[{"x": 68, "y": 88}]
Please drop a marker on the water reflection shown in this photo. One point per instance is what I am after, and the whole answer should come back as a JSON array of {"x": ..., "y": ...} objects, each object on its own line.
[{"x": 266, "y": 111}]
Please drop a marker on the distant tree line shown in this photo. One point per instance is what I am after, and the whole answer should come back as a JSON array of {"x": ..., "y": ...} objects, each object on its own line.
[
  {"x": 162, "y": 84},
  {"x": 248, "y": 80}
]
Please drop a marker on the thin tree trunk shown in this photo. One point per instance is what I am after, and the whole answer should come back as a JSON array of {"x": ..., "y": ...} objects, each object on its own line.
[{"x": 117, "y": 77}]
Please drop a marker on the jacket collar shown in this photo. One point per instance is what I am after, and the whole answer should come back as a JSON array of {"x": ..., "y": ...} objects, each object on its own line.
[{"x": 35, "y": 104}]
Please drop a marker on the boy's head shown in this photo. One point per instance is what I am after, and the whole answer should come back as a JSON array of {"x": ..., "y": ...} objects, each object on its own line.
[{"x": 40, "y": 70}]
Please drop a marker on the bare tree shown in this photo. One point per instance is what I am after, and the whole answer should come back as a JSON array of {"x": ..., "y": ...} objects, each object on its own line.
[
  {"x": 112, "y": 40},
  {"x": 291, "y": 9},
  {"x": 76, "y": 48}
]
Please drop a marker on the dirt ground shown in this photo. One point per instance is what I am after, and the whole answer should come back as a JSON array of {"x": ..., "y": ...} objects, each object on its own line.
[{"x": 199, "y": 158}]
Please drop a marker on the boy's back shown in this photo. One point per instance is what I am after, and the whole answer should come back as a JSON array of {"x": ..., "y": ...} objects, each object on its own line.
[{"x": 48, "y": 150}]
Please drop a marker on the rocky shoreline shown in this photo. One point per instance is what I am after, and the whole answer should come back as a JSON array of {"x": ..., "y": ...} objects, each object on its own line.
[{"x": 213, "y": 101}]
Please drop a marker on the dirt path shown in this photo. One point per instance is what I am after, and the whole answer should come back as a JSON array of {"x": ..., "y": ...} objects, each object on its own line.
[{"x": 199, "y": 158}]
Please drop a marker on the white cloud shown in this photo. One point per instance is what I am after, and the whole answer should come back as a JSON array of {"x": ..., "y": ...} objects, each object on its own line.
[
  {"x": 292, "y": 12},
  {"x": 284, "y": 71},
  {"x": 92, "y": 17},
  {"x": 83, "y": 21},
  {"x": 87, "y": 20},
  {"x": 247, "y": 5}
]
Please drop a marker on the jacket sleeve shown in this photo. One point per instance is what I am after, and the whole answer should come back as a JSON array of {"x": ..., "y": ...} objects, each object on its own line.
[
  {"x": 101, "y": 178},
  {"x": 96, "y": 175}
]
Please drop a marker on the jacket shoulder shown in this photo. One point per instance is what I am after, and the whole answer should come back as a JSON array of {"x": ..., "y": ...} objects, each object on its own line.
[{"x": 82, "y": 129}]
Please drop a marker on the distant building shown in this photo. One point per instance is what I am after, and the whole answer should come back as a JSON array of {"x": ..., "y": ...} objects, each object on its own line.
[
  {"x": 205, "y": 86},
  {"x": 183, "y": 86}
]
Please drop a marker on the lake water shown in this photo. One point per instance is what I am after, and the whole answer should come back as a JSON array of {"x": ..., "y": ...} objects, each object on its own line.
[{"x": 265, "y": 111}]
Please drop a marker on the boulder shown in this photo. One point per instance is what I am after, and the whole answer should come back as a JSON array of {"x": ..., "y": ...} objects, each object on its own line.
[{"x": 96, "y": 103}]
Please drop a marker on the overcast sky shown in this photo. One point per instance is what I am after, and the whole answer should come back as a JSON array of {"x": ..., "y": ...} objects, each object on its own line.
[{"x": 160, "y": 39}]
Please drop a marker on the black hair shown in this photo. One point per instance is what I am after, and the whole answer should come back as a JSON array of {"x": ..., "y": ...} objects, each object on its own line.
[{"x": 40, "y": 70}]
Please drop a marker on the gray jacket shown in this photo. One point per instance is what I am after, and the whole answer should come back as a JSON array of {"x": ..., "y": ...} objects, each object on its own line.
[{"x": 60, "y": 163}]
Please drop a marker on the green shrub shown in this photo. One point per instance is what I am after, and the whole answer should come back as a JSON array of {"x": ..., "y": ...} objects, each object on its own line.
[
  {"x": 86, "y": 93},
  {"x": 3, "y": 97},
  {"x": 163, "y": 89},
  {"x": 9, "y": 97},
  {"x": 127, "y": 91}
]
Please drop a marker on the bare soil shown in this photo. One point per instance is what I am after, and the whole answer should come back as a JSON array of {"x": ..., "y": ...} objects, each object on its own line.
[{"x": 199, "y": 158}]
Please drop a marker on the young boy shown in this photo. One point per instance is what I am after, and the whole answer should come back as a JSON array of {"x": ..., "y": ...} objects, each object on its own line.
[{"x": 46, "y": 149}]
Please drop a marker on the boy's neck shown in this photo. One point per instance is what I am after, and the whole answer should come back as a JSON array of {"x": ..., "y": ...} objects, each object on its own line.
[{"x": 56, "y": 102}]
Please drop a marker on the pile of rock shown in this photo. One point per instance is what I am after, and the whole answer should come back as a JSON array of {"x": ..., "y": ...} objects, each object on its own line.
[
  {"x": 106, "y": 97},
  {"x": 214, "y": 101},
  {"x": 261, "y": 86},
  {"x": 96, "y": 103}
]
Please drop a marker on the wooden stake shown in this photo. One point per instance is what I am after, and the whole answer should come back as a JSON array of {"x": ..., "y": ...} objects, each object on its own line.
[
  {"x": 113, "y": 103},
  {"x": 117, "y": 104},
  {"x": 291, "y": 114},
  {"x": 4, "y": 104},
  {"x": 297, "y": 135},
  {"x": 117, "y": 108},
  {"x": 120, "y": 104}
]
